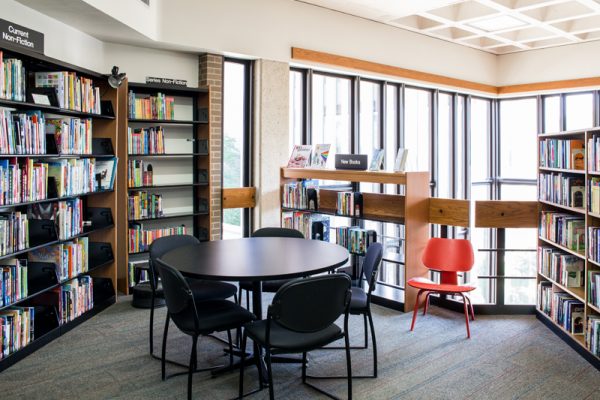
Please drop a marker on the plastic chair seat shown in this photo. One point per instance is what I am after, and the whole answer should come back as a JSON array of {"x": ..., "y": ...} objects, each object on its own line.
[
  {"x": 285, "y": 339},
  {"x": 358, "y": 302},
  {"x": 427, "y": 284},
  {"x": 211, "y": 290},
  {"x": 214, "y": 316}
]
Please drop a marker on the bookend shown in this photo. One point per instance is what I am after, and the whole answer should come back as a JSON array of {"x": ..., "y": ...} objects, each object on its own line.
[
  {"x": 203, "y": 234},
  {"x": 312, "y": 197},
  {"x": 100, "y": 217},
  {"x": 318, "y": 231},
  {"x": 99, "y": 254},
  {"x": 203, "y": 115},
  {"x": 102, "y": 147},
  {"x": 358, "y": 204},
  {"x": 202, "y": 205},
  {"x": 202, "y": 176},
  {"x": 106, "y": 108},
  {"x": 41, "y": 231},
  {"x": 51, "y": 147},
  {"x": 41, "y": 276},
  {"x": 203, "y": 146}
]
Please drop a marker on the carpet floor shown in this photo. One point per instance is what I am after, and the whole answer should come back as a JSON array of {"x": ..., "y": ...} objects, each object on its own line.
[{"x": 508, "y": 357}]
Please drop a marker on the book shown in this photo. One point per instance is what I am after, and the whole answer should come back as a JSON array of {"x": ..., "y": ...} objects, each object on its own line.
[
  {"x": 320, "y": 155},
  {"x": 376, "y": 160},
  {"x": 105, "y": 173},
  {"x": 578, "y": 158},
  {"x": 578, "y": 196},
  {"x": 400, "y": 163},
  {"x": 300, "y": 156}
]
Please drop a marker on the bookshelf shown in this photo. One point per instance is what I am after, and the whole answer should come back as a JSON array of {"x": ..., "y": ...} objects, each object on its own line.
[
  {"x": 411, "y": 210},
  {"x": 175, "y": 143},
  {"x": 44, "y": 284},
  {"x": 568, "y": 226}
]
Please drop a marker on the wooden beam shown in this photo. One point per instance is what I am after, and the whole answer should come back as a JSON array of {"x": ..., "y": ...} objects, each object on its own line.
[
  {"x": 551, "y": 85},
  {"x": 449, "y": 212},
  {"x": 239, "y": 197},
  {"x": 506, "y": 214}
]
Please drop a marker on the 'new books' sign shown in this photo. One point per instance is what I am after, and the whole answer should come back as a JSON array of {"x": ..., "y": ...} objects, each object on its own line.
[{"x": 14, "y": 35}]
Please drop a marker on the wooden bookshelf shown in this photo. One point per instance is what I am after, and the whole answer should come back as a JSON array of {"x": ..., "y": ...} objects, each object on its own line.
[
  {"x": 180, "y": 172},
  {"x": 590, "y": 220},
  {"x": 99, "y": 208},
  {"x": 410, "y": 210}
]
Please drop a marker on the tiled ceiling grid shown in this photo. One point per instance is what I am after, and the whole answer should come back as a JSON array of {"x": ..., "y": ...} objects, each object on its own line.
[{"x": 495, "y": 26}]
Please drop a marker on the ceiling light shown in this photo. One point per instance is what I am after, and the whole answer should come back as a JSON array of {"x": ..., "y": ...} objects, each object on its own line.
[{"x": 497, "y": 23}]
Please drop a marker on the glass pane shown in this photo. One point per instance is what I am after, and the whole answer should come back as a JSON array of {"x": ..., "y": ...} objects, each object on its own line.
[
  {"x": 480, "y": 139},
  {"x": 518, "y": 192},
  {"x": 233, "y": 124},
  {"x": 579, "y": 111},
  {"x": 369, "y": 119},
  {"x": 552, "y": 114},
  {"x": 331, "y": 113},
  {"x": 444, "y": 146},
  {"x": 417, "y": 129},
  {"x": 520, "y": 263},
  {"x": 232, "y": 223},
  {"x": 518, "y": 138},
  {"x": 391, "y": 128},
  {"x": 519, "y": 291},
  {"x": 480, "y": 239},
  {"x": 459, "y": 154},
  {"x": 296, "y": 117}
]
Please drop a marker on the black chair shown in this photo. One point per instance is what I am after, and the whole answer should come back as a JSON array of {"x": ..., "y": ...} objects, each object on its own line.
[
  {"x": 196, "y": 318},
  {"x": 301, "y": 319},
  {"x": 202, "y": 289},
  {"x": 360, "y": 304},
  {"x": 269, "y": 286}
]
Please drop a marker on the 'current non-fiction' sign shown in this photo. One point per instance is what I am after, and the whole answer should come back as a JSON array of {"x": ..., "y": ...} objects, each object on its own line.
[{"x": 19, "y": 36}]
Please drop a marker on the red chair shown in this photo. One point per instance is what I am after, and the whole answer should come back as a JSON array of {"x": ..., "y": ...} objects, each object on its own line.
[{"x": 448, "y": 256}]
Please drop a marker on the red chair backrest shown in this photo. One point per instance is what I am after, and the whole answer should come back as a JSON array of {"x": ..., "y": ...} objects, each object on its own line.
[{"x": 450, "y": 255}]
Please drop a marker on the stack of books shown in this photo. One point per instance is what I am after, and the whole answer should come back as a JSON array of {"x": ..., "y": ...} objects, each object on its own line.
[
  {"x": 300, "y": 194},
  {"x": 354, "y": 238},
  {"x": 594, "y": 288},
  {"x": 73, "y": 176},
  {"x": 72, "y": 135},
  {"x": 22, "y": 180},
  {"x": 562, "y": 189},
  {"x": 12, "y": 79},
  {"x": 593, "y": 150},
  {"x": 140, "y": 238},
  {"x": 70, "y": 258},
  {"x": 545, "y": 297},
  {"x": 14, "y": 232},
  {"x": 13, "y": 281},
  {"x": 22, "y": 132},
  {"x": 146, "y": 141},
  {"x": 76, "y": 297},
  {"x": 16, "y": 329},
  {"x": 142, "y": 204},
  {"x": 159, "y": 107},
  {"x": 594, "y": 243},
  {"x": 349, "y": 203},
  {"x": 561, "y": 267},
  {"x": 564, "y": 229},
  {"x": 592, "y": 335},
  {"x": 311, "y": 225},
  {"x": 567, "y": 312},
  {"x": 73, "y": 92},
  {"x": 139, "y": 173},
  {"x": 564, "y": 154}
]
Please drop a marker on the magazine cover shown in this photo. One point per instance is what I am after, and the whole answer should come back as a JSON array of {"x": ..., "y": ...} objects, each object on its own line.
[
  {"x": 376, "y": 160},
  {"x": 320, "y": 155},
  {"x": 300, "y": 156}
]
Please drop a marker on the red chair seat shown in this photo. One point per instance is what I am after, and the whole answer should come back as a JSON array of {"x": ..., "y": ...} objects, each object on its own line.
[{"x": 427, "y": 284}]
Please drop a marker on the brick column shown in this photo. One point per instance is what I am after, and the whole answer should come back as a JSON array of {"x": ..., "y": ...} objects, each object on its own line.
[{"x": 211, "y": 75}]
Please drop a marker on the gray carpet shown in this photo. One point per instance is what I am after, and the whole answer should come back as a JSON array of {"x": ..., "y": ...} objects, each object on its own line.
[{"x": 508, "y": 357}]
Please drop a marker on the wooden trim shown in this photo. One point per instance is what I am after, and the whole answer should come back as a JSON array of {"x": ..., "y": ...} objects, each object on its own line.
[
  {"x": 355, "y": 63},
  {"x": 506, "y": 214},
  {"x": 550, "y": 85},
  {"x": 244, "y": 197},
  {"x": 449, "y": 212}
]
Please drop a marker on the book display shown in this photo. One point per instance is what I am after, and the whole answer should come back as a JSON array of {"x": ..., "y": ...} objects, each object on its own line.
[
  {"x": 165, "y": 158},
  {"x": 300, "y": 189},
  {"x": 569, "y": 237},
  {"x": 57, "y": 233}
]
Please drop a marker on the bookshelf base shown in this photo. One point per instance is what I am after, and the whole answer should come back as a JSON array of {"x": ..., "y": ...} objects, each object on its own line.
[
  {"x": 40, "y": 342},
  {"x": 573, "y": 343}
]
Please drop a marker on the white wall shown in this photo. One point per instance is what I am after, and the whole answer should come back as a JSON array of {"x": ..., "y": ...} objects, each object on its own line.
[{"x": 133, "y": 13}]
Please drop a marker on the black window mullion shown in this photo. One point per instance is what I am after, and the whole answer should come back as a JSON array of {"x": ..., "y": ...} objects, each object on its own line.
[
  {"x": 307, "y": 81},
  {"x": 433, "y": 164},
  {"x": 563, "y": 112}
]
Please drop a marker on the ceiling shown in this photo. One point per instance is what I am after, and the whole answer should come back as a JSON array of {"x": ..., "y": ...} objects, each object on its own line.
[{"x": 494, "y": 26}]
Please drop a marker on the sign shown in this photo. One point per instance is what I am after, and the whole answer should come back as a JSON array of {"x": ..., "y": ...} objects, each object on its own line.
[
  {"x": 18, "y": 36},
  {"x": 166, "y": 81},
  {"x": 351, "y": 161}
]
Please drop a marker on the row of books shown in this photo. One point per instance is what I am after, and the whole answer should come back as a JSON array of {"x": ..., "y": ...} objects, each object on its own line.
[
  {"x": 564, "y": 154},
  {"x": 564, "y": 229},
  {"x": 354, "y": 238},
  {"x": 561, "y": 267},
  {"x": 73, "y": 135},
  {"x": 13, "y": 281},
  {"x": 137, "y": 275},
  {"x": 593, "y": 153},
  {"x": 73, "y": 176},
  {"x": 594, "y": 195},
  {"x": 592, "y": 335},
  {"x": 594, "y": 288},
  {"x": 22, "y": 132},
  {"x": 562, "y": 189},
  {"x": 73, "y": 92},
  {"x": 151, "y": 107},
  {"x": 349, "y": 203},
  {"x": 67, "y": 214},
  {"x": 594, "y": 243},
  {"x": 142, "y": 204},
  {"x": 16, "y": 329},
  {"x": 12, "y": 78},
  {"x": 146, "y": 141},
  {"x": 22, "y": 180},
  {"x": 563, "y": 308},
  {"x": 70, "y": 258},
  {"x": 139, "y": 173},
  {"x": 140, "y": 238},
  {"x": 302, "y": 194},
  {"x": 76, "y": 297},
  {"x": 312, "y": 226},
  {"x": 14, "y": 232}
]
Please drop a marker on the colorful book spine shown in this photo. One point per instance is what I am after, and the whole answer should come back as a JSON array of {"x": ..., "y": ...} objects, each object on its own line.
[
  {"x": 137, "y": 275},
  {"x": 14, "y": 232},
  {"x": 564, "y": 229},
  {"x": 70, "y": 258},
  {"x": 16, "y": 329},
  {"x": 73, "y": 92},
  {"x": 355, "y": 239},
  {"x": 146, "y": 141},
  {"x": 13, "y": 281},
  {"x": 594, "y": 288},
  {"x": 142, "y": 204},
  {"x": 76, "y": 297},
  {"x": 72, "y": 135},
  {"x": 592, "y": 335},
  {"x": 561, "y": 267},
  {"x": 139, "y": 173},
  {"x": 563, "y": 154},
  {"x": 159, "y": 107},
  {"x": 73, "y": 176},
  {"x": 563, "y": 189},
  {"x": 22, "y": 180},
  {"x": 140, "y": 238},
  {"x": 22, "y": 132},
  {"x": 13, "y": 79}
]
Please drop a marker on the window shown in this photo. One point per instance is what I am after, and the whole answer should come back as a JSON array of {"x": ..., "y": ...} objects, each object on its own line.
[
  {"x": 518, "y": 139},
  {"x": 236, "y": 136},
  {"x": 296, "y": 108},
  {"x": 331, "y": 112},
  {"x": 551, "y": 114},
  {"x": 579, "y": 110},
  {"x": 417, "y": 129},
  {"x": 444, "y": 146}
]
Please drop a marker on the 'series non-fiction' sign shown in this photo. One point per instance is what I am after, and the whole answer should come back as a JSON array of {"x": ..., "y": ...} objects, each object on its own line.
[
  {"x": 166, "y": 81},
  {"x": 14, "y": 35}
]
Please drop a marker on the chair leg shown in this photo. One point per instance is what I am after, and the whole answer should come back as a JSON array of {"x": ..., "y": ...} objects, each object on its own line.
[
  {"x": 270, "y": 374},
  {"x": 466, "y": 307},
  {"x": 374, "y": 344},
  {"x": 366, "y": 332},
  {"x": 242, "y": 360},
  {"x": 164, "y": 348},
  {"x": 151, "y": 330},
  {"x": 426, "y": 307},
  {"x": 348, "y": 363},
  {"x": 304, "y": 367},
  {"x": 416, "y": 310},
  {"x": 471, "y": 307},
  {"x": 235, "y": 298},
  {"x": 192, "y": 366},
  {"x": 230, "y": 348},
  {"x": 247, "y": 299}
]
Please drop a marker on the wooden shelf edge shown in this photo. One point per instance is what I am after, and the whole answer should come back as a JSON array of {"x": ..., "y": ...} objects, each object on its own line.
[
  {"x": 581, "y": 211},
  {"x": 573, "y": 252},
  {"x": 580, "y": 297}
]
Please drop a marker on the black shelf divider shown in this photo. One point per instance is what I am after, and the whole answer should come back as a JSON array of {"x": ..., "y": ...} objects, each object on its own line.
[
  {"x": 170, "y": 216},
  {"x": 53, "y": 199},
  {"x": 24, "y": 105},
  {"x": 166, "y": 121},
  {"x": 174, "y": 186}
]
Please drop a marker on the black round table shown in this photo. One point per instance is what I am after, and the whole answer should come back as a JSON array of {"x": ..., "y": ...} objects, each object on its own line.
[{"x": 256, "y": 259}]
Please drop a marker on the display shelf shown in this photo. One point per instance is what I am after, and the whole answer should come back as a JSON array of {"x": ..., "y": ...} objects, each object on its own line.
[
  {"x": 23, "y": 105},
  {"x": 593, "y": 307},
  {"x": 569, "y": 171},
  {"x": 171, "y": 155},
  {"x": 170, "y": 186},
  {"x": 169, "y": 216},
  {"x": 563, "y": 248},
  {"x": 53, "y": 199},
  {"x": 593, "y": 262},
  {"x": 165, "y": 121},
  {"x": 577, "y": 210}
]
